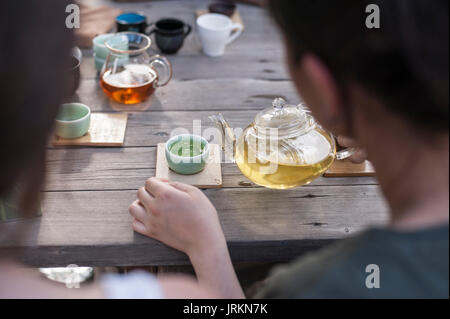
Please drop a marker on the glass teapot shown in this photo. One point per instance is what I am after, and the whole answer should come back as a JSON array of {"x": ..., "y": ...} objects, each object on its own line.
[
  {"x": 129, "y": 75},
  {"x": 283, "y": 148}
]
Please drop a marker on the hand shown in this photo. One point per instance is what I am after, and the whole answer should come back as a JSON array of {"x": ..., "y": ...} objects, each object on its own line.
[
  {"x": 359, "y": 156},
  {"x": 179, "y": 215}
]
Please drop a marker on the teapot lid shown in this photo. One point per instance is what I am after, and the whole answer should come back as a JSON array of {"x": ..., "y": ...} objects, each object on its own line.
[{"x": 289, "y": 120}]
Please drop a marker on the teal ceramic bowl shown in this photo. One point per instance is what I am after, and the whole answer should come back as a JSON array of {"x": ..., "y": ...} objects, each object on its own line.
[
  {"x": 73, "y": 120},
  {"x": 98, "y": 44},
  {"x": 98, "y": 63},
  {"x": 101, "y": 52},
  {"x": 186, "y": 164}
]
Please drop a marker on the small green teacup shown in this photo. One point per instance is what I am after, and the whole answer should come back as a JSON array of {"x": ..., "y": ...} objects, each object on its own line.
[
  {"x": 98, "y": 44},
  {"x": 73, "y": 120},
  {"x": 187, "y": 154}
]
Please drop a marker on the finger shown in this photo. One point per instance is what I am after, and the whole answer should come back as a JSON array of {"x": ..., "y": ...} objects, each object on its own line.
[
  {"x": 139, "y": 227},
  {"x": 347, "y": 141},
  {"x": 147, "y": 200},
  {"x": 157, "y": 188},
  {"x": 359, "y": 157},
  {"x": 183, "y": 187},
  {"x": 163, "y": 180},
  {"x": 139, "y": 202},
  {"x": 137, "y": 211}
]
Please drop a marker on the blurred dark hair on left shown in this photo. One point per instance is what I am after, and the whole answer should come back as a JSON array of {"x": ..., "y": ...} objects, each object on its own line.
[{"x": 34, "y": 62}]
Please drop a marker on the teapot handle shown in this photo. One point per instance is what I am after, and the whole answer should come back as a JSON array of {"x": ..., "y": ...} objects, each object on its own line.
[
  {"x": 345, "y": 153},
  {"x": 163, "y": 68}
]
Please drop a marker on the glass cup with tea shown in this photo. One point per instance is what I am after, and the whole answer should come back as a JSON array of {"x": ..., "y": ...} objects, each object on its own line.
[{"x": 129, "y": 75}]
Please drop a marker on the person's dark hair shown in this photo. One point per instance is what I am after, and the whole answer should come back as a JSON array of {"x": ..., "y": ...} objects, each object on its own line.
[
  {"x": 405, "y": 62},
  {"x": 34, "y": 62}
]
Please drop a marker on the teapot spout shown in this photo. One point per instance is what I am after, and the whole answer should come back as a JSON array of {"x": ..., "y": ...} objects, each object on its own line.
[{"x": 228, "y": 139}]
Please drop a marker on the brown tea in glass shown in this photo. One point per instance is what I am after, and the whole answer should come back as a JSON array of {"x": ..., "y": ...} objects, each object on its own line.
[{"x": 134, "y": 84}]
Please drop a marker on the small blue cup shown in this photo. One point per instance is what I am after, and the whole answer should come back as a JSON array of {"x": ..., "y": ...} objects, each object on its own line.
[{"x": 131, "y": 21}]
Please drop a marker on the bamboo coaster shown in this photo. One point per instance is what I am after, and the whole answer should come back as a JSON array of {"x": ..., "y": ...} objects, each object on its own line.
[
  {"x": 236, "y": 17},
  {"x": 210, "y": 177},
  {"x": 347, "y": 168},
  {"x": 106, "y": 129}
]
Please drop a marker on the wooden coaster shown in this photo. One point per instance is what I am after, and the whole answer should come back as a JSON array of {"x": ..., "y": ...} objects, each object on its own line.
[
  {"x": 236, "y": 17},
  {"x": 210, "y": 177},
  {"x": 347, "y": 168},
  {"x": 107, "y": 129}
]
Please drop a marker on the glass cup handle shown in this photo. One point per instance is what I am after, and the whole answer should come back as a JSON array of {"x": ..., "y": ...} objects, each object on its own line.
[
  {"x": 237, "y": 30},
  {"x": 158, "y": 63},
  {"x": 345, "y": 153}
]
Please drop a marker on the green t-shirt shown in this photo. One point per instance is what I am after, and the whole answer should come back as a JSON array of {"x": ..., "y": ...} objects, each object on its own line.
[{"x": 401, "y": 264}]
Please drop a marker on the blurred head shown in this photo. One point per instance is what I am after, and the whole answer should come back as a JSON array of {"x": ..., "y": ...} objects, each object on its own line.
[
  {"x": 402, "y": 67},
  {"x": 34, "y": 59}
]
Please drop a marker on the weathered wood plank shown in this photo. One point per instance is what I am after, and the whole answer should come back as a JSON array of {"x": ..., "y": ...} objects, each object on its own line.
[
  {"x": 94, "y": 227},
  {"x": 151, "y": 128},
  {"x": 116, "y": 169},
  {"x": 156, "y": 254},
  {"x": 257, "y": 65},
  {"x": 196, "y": 95}
]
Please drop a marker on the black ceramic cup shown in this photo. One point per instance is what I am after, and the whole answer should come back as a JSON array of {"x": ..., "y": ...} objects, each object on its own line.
[
  {"x": 73, "y": 72},
  {"x": 170, "y": 34}
]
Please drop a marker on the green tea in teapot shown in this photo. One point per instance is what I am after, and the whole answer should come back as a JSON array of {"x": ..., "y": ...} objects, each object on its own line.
[
  {"x": 283, "y": 148},
  {"x": 284, "y": 168}
]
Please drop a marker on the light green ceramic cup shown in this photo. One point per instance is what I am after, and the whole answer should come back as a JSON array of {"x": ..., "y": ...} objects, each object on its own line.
[
  {"x": 98, "y": 44},
  {"x": 101, "y": 52},
  {"x": 187, "y": 165},
  {"x": 98, "y": 63},
  {"x": 73, "y": 120}
]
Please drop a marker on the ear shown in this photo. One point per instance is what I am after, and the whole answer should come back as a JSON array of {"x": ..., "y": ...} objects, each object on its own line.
[{"x": 320, "y": 91}]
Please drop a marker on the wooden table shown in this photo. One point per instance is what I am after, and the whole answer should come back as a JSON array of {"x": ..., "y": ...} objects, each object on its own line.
[{"x": 85, "y": 219}]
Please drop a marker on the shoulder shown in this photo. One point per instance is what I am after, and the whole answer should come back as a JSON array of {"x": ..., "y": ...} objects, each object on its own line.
[
  {"x": 408, "y": 265},
  {"x": 300, "y": 277}
]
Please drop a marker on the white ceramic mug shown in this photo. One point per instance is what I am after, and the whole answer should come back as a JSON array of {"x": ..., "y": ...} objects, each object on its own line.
[{"x": 216, "y": 31}]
